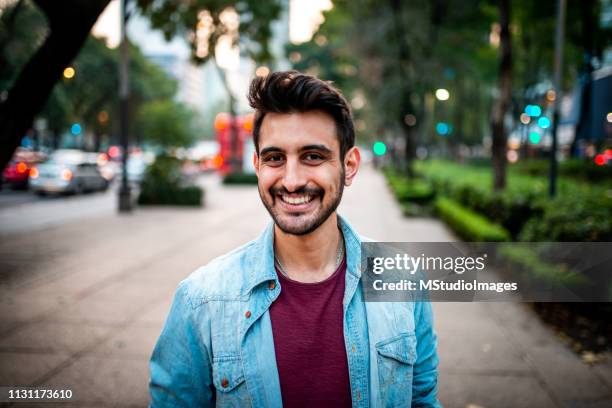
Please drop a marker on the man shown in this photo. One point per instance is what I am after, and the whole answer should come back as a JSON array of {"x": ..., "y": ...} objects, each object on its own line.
[{"x": 281, "y": 321}]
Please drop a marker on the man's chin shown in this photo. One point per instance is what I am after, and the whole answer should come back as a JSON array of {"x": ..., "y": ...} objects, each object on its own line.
[{"x": 296, "y": 228}]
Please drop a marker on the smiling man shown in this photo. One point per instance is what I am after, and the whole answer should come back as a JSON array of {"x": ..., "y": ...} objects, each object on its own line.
[{"x": 281, "y": 321}]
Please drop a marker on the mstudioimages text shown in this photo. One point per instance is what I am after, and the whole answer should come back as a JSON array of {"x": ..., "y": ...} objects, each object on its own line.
[
  {"x": 412, "y": 264},
  {"x": 441, "y": 285}
]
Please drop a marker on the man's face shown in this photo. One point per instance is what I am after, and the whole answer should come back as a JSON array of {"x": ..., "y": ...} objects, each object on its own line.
[{"x": 301, "y": 176}]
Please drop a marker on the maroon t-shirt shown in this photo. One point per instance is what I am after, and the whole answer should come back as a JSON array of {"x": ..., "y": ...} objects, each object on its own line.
[{"x": 307, "y": 323}]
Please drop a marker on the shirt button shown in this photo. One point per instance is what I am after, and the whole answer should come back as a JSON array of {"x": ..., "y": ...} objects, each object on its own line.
[
  {"x": 358, "y": 395},
  {"x": 271, "y": 285},
  {"x": 353, "y": 348},
  {"x": 247, "y": 314},
  {"x": 224, "y": 382}
]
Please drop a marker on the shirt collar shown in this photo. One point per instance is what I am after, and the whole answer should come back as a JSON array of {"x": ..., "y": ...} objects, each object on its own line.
[{"x": 260, "y": 262}]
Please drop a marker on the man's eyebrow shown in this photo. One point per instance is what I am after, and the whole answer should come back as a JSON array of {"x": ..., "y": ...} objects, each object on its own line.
[
  {"x": 271, "y": 149},
  {"x": 319, "y": 147}
]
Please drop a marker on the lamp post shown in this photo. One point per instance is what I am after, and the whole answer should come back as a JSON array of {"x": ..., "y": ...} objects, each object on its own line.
[{"x": 125, "y": 202}]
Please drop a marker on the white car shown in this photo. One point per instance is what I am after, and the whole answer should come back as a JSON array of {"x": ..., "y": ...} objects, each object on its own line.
[{"x": 67, "y": 171}]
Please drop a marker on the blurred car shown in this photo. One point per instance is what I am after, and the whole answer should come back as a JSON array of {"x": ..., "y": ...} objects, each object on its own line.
[
  {"x": 137, "y": 164},
  {"x": 17, "y": 172},
  {"x": 68, "y": 171},
  {"x": 206, "y": 153}
]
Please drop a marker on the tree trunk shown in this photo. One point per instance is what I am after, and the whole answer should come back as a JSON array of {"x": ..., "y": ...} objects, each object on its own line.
[
  {"x": 582, "y": 127},
  {"x": 70, "y": 22},
  {"x": 503, "y": 102},
  {"x": 403, "y": 59}
]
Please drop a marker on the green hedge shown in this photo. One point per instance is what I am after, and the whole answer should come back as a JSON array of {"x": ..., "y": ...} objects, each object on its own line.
[
  {"x": 574, "y": 168},
  {"x": 408, "y": 190},
  {"x": 577, "y": 218},
  {"x": 468, "y": 224},
  {"x": 531, "y": 265},
  {"x": 240, "y": 178},
  {"x": 163, "y": 184},
  {"x": 581, "y": 211},
  {"x": 164, "y": 194}
]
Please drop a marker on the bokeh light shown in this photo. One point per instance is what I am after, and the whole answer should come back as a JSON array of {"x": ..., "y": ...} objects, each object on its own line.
[
  {"x": 442, "y": 94},
  {"x": 535, "y": 137},
  {"x": 442, "y": 128},
  {"x": 69, "y": 72},
  {"x": 75, "y": 129},
  {"x": 544, "y": 122},
  {"x": 379, "y": 148}
]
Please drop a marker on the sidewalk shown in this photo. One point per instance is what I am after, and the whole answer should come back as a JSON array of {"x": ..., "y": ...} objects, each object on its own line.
[{"x": 86, "y": 301}]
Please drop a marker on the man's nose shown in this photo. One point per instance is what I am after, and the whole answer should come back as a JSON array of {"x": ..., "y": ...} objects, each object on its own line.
[{"x": 295, "y": 176}]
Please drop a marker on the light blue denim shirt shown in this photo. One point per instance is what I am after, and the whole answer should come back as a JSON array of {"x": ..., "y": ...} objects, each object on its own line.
[{"x": 217, "y": 349}]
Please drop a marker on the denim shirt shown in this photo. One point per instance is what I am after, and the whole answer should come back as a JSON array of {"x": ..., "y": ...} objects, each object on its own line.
[{"x": 217, "y": 349}]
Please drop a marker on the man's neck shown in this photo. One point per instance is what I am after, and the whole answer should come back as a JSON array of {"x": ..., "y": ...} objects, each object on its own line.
[{"x": 309, "y": 258}]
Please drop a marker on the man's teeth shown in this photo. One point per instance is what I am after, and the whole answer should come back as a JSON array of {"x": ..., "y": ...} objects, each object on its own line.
[{"x": 302, "y": 199}]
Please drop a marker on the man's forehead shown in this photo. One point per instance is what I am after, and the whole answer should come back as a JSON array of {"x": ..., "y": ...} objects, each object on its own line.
[{"x": 300, "y": 129}]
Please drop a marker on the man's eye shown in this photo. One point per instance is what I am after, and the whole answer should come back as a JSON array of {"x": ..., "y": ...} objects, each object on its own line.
[
  {"x": 276, "y": 158},
  {"x": 313, "y": 157}
]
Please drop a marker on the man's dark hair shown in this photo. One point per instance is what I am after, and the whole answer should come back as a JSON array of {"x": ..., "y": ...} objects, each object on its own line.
[{"x": 294, "y": 92}]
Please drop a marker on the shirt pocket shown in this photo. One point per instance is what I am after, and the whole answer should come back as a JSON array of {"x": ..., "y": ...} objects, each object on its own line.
[
  {"x": 228, "y": 379},
  {"x": 396, "y": 357}
]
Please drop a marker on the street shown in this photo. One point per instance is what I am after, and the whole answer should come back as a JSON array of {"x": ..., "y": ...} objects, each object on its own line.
[
  {"x": 22, "y": 211},
  {"x": 85, "y": 291}
]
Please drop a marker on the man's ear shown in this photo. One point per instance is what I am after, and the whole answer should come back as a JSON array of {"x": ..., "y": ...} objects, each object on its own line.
[
  {"x": 352, "y": 159},
  {"x": 256, "y": 163}
]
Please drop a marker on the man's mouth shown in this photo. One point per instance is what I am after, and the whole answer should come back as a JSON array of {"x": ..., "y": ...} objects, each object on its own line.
[{"x": 296, "y": 199}]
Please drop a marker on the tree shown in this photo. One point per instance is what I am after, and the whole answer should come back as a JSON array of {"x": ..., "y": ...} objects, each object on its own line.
[
  {"x": 205, "y": 23},
  {"x": 504, "y": 99},
  {"x": 166, "y": 123},
  {"x": 93, "y": 89},
  {"x": 69, "y": 24}
]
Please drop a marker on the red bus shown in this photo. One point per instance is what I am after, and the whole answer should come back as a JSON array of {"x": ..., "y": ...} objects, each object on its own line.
[{"x": 230, "y": 149}]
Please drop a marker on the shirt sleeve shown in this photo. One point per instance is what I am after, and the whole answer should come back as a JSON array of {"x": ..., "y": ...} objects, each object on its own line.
[
  {"x": 180, "y": 367},
  {"x": 425, "y": 379}
]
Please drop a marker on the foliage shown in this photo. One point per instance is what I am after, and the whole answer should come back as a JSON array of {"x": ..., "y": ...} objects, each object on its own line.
[
  {"x": 572, "y": 219},
  {"x": 579, "y": 169},
  {"x": 398, "y": 53},
  {"x": 163, "y": 185},
  {"x": 69, "y": 23},
  {"x": 170, "y": 195},
  {"x": 205, "y": 22},
  {"x": 23, "y": 29},
  {"x": 529, "y": 263},
  {"x": 166, "y": 123},
  {"x": 581, "y": 211},
  {"x": 468, "y": 224},
  {"x": 93, "y": 89},
  {"x": 240, "y": 178},
  {"x": 408, "y": 190}
]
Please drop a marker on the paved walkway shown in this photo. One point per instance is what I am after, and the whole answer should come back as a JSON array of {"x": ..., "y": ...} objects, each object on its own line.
[{"x": 83, "y": 303}]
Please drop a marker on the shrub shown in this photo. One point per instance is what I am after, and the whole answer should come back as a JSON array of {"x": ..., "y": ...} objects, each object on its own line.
[
  {"x": 573, "y": 219},
  {"x": 163, "y": 184},
  {"x": 531, "y": 265},
  {"x": 468, "y": 224},
  {"x": 573, "y": 168},
  {"x": 240, "y": 178},
  {"x": 581, "y": 211},
  {"x": 164, "y": 194},
  {"x": 409, "y": 190}
]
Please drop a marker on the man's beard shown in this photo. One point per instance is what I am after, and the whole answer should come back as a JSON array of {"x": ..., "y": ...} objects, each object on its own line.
[{"x": 320, "y": 215}]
